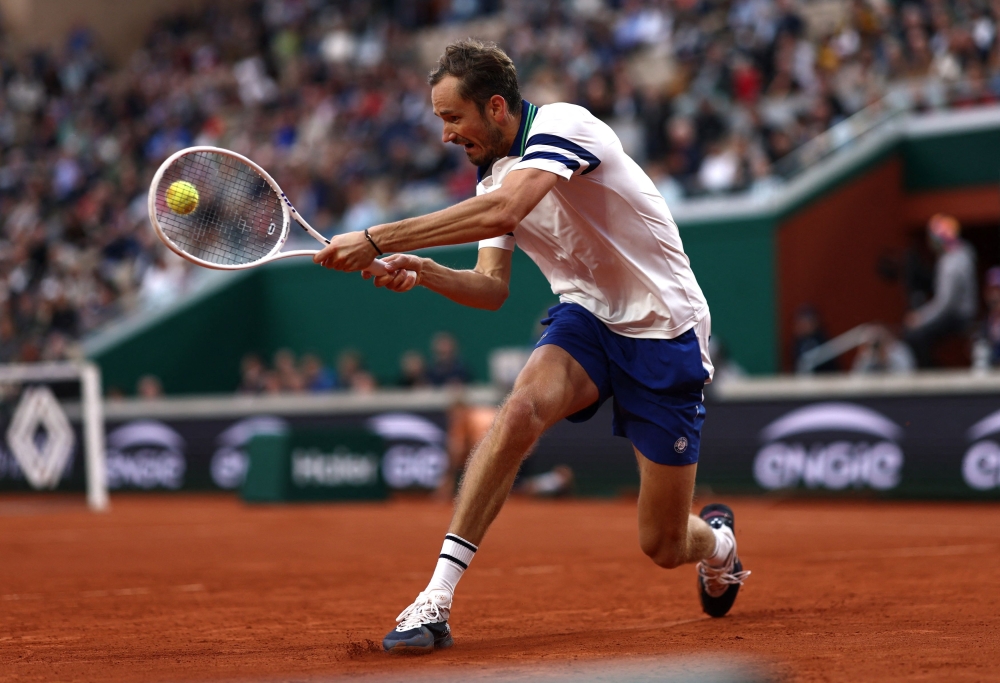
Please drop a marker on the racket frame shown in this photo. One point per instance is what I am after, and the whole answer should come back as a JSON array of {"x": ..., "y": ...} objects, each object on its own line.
[{"x": 287, "y": 211}]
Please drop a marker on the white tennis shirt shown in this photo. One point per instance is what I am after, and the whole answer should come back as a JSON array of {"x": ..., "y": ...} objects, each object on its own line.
[{"x": 603, "y": 237}]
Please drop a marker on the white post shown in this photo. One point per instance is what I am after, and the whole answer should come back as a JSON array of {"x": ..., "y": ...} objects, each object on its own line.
[{"x": 93, "y": 436}]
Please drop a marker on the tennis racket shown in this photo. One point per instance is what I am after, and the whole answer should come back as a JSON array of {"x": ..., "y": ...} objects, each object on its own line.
[{"x": 218, "y": 209}]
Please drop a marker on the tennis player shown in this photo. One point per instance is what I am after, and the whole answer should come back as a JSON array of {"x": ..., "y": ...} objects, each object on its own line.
[{"x": 631, "y": 322}]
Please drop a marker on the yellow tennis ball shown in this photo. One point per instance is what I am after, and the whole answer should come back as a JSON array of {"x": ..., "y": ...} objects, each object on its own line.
[{"x": 182, "y": 197}]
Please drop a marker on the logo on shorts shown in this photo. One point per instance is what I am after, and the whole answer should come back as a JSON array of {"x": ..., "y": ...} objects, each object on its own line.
[{"x": 681, "y": 444}]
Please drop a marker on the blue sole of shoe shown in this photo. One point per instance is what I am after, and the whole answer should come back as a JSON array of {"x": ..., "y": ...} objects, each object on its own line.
[{"x": 405, "y": 648}]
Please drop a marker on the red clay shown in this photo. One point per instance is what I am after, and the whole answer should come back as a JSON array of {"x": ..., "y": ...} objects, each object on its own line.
[{"x": 205, "y": 588}]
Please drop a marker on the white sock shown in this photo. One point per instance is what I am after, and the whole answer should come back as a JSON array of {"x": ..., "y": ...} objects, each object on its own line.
[
  {"x": 725, "y": 543},
  {"x": 456, "y": 554}
]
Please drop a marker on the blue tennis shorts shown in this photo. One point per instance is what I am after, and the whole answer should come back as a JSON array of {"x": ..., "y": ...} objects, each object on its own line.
[{"x": 656, "y": 383}]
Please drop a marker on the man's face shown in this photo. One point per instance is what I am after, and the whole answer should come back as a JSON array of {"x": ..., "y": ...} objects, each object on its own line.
[{"x": 463, "y": 124}]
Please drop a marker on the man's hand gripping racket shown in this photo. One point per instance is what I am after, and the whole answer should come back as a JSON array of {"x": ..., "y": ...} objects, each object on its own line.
[{"x": 218, "y": 209}]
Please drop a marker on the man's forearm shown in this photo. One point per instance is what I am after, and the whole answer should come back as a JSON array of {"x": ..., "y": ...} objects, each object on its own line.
[
  {"x": 490, "y": 215},
  {"x": 466, "y": 287},
  {"x": 474, "y": 219}
]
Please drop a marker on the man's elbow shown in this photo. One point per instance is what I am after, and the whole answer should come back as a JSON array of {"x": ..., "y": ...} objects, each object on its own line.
[{"x": 497, "y": 298}]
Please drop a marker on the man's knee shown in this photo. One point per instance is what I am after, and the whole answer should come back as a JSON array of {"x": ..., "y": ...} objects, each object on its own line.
[
  {"x": 666, "y": 551},
  {"x": 526, "y": 413}
]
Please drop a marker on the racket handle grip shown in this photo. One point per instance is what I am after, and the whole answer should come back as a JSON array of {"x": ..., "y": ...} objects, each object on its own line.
[{"x": 377, "y": 267}]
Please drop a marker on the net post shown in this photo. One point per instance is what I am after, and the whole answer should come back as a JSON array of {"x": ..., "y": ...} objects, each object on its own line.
[{"x": 93, "y": 437}]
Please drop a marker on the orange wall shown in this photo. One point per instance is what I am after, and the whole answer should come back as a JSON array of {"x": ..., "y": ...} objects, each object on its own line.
[
  {"x": 970, "y": 205},
  {"x": 828, "y": 251}
]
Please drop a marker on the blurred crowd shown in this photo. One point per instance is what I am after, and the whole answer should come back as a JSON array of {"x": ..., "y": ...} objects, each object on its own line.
[
  {"x": 309, "y": 374},
  {"x": 331, "y": 98}
]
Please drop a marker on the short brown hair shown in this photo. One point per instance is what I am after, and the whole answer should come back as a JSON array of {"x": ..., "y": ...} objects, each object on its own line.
[{"x": 483, "y": 70}]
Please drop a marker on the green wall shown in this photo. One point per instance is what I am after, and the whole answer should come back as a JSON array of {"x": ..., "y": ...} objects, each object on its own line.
[
  {"x": 313, "y": 309},
  {"x": 952, "y": 160},
  {"x": 734, "y": 263},
  {"x": 196, "y": 350},
  {"x": 296, "y": 304}
]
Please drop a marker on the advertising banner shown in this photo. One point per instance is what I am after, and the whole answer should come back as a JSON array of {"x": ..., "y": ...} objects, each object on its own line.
[
  {"x": 210, "y": 453},
  {"x": 915, "y": 446},
  {"x": 911, "y": 446},
  {"x": 315, "y": 464}
]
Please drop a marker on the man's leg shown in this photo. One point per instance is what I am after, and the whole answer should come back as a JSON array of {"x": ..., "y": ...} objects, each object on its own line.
[
  {"x": 550, "y": 387},
  {"x": 671, "y": 536},
  {"x": 922, "y": 340},
  {"x": 668, "y": 533}
]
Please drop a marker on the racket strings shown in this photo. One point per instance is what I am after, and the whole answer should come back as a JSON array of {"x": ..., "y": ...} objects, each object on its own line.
[{"x": 238, "y": 218}]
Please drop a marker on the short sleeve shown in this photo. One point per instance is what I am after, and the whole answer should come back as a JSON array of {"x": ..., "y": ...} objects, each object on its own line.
[
  {"x": 505, "y": 242},
  {"x": 563, "y": 146}
]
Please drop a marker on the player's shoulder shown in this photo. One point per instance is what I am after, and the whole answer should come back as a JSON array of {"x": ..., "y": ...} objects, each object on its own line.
[
  {"x": 571, "y": 122},
  {"x": 562, "y": 115}
]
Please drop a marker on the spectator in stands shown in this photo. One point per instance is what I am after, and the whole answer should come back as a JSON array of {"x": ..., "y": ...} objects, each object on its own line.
[
  {"x": 447, "y": 366},
  {"x": 163, "y": 281},
  {"x": 271, "y": 383},
  {"x": 251, "y": 374},
  {"x": 9, "y": 345},
  {"x": 352, "y": 373},
  {"x": 288, "y": 373},
  {"x": 991, "y": 297},
  {"x": 413, "y": 370},
  {"x": 883, "y": 353},
  {"x": 316, "y": 376},
  {"x": 808, "y": 334},
  {"x": 56, "y": 347},
  {"x": 149, "y": 388},
  {"x": 326, "y": 96},
  {"x": 726, "y": 369},
  {"x": 467, "y": 425},
  {"x": 955, "y": 302}
]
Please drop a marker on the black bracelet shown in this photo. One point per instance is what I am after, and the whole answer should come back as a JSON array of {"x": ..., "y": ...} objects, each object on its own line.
[{"x": 369, "y": 238}]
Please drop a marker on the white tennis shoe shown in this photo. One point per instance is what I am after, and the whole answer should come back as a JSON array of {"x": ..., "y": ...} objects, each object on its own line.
[
  {"x": 718, "y": 586},
  {"x": 423, "y": 626}
]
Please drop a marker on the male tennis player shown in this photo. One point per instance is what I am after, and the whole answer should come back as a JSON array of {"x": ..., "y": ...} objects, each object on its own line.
[{"x": 632, "y": 321}]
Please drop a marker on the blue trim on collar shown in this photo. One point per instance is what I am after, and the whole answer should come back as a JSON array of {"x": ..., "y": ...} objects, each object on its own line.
[{"x": 528, "y": 111}]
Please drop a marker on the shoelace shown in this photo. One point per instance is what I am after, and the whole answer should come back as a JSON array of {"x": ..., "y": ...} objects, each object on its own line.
[
  {"x": 423, "y": 611},
  {"x": 721, "y": 575}
]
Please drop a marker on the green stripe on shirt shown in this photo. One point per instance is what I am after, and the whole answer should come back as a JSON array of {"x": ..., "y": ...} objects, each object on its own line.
[{"x": 529, "y": 119}]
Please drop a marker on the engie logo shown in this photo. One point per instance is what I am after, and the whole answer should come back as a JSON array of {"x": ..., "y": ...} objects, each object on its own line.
[
  {"x": 145, "y": 454},
  {"x": 415, "y": 456},
  {"x": 230, "y": 460},
  {"x": 830, "y": 445},
  {"x": 981, "y": 465}
]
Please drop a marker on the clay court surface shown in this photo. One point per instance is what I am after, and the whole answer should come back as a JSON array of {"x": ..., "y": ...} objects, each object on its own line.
[{"x": 201, "y": 588}]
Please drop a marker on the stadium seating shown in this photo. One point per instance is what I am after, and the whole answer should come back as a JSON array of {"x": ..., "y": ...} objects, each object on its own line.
[{"x": 712, "y": 97}]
